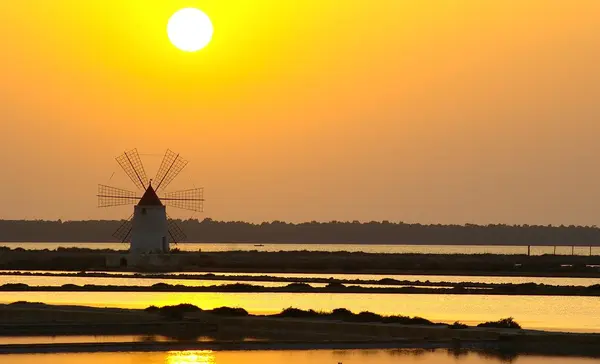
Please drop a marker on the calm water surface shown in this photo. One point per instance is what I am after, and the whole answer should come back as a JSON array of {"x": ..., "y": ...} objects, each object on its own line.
[
  {"x": 367, "y": 248},
  {"x": 287, "y": 357},
  {"x": 123, "y": 281},
  {"x": 6, "y": 340},
  {"x": 57, "y": 281},
  {"x": 573, "y": 314}
]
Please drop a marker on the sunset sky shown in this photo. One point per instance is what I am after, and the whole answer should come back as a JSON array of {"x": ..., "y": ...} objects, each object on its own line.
[{"x": 420, "y": 111}]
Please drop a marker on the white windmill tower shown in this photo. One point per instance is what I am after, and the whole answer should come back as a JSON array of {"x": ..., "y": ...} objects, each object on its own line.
[{"x": 149, "y": 229}]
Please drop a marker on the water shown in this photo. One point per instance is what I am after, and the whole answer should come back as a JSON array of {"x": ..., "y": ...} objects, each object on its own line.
[
  {"x": 554, "y": 281},
  {"x": 125, "y": 281},
  {"x": 130, "y": 282},
  {"x": 74, "y": 339},
  {"x": 367, "y": 248},
  {"x": 554, "y": 313},
  {"x": 77, "y": 339},
  {"x": 405, "y": 356}
]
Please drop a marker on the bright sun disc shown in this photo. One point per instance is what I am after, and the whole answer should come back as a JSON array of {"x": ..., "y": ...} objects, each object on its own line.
[{"x": 190, "y": 29}]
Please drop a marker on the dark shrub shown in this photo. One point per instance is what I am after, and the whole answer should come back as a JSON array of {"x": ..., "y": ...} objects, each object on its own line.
[
  {"x": 177, "y": 312},
  {"x": 188, "y": 307},
  {"x": 367, "y": 316},
  {"x": 389, "y": 281},
  {"x": 297, "y": 313},
  {"x": 335, "y": 285},
  {"x": 160, "y": 286},
  {"x": 152, "y": 309},
  {"x": 15, "y": 287},
  {"x": 342, "y": 314},
  {"x": 420, "y": 321},
  {"x": 229, "y": 311},
  {"x": 457, "y": 325},
  {"x": 240, "y": 287},
  {"x": 405, "y": 320},
  {"x": 506, "y": 323},
  {"x": 69, "y": 286},
  {"x": 299, "y": 286},
  {"x": 27, "y": 303}
]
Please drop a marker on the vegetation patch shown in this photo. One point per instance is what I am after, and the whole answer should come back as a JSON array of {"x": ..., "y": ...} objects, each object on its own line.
[
  {"x": 506, "y": 323},
  {"x": 342, "y": 314},
  {"x": 458, "y": 325}
]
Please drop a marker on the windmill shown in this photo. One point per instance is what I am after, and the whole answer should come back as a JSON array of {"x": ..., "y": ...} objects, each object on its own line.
[{"x": 149, "y": 229}]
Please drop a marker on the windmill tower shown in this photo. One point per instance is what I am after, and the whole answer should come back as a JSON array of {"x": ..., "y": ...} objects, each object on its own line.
[{"x": 149, "y": 229}]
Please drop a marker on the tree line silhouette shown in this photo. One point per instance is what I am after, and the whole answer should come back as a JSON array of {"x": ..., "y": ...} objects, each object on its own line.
[{"x": 333, "y": 232}]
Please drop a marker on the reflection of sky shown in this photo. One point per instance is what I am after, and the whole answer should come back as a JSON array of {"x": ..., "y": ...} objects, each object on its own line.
[
  {"x": 190, "y": 357},
  {"x": 124, "y": 278},
  {"x": 371, "y": 356}
]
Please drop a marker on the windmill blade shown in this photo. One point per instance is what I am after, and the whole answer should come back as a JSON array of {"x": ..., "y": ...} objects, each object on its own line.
[
  {"x": 175, "y": 233},
  {"x": 123, "y": 233},
  {"x": 112, "y": 196},
  {"x": 191, "y": 199},
  {"x": 169, "y": 168},
  {"x": 133, "y": 167}
]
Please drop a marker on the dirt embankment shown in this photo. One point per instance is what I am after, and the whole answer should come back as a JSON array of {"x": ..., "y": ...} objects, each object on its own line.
[
  {"x": 229, "y": 327},
  {"x": 317, "y": 262},
  {"x": 526, "y": 289}
]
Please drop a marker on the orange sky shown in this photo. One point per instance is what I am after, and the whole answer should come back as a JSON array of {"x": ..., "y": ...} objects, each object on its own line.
[{"x": 420, "y": 111}]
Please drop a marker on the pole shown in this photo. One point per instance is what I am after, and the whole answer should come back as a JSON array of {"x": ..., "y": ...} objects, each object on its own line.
[
  {"x": 528, "y": 250},
  {"x": 555, "y": 250},
  {"x": 572, "y": 249}
]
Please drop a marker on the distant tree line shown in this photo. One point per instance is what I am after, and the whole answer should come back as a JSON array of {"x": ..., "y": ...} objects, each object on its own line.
[{"x": 313, "y": 232}]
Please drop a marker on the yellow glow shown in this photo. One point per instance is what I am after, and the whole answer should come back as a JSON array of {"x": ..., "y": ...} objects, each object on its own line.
[
  {"x": 191, "y": 357},
  {"x": 190, "y": 29},
  {"x": 320, "y": 97}
]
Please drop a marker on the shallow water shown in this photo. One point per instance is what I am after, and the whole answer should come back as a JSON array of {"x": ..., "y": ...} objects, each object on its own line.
[
  {"x": 404, "y": 356},
  {"x": 557, "y": 313},
  {"x": 52, "y": 281},
  {"x": 367, "y": 248},
  {"x": 119, "y": 281},
  {"x": 554, "y": 281},
  {"x": 74, "y": 339},
  {"x": 6, "y": 340}
]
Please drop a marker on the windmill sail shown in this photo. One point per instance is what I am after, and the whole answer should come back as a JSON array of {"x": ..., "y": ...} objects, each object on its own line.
[
  {"x": 192, "y": 199},
  {"x": 123, "y": 233},
  {"x": 112, "y": 196},
  {"x": 170, "y": 167},
  {"x": 175, "y": 233},
  {"x": 133, "y": 167}
]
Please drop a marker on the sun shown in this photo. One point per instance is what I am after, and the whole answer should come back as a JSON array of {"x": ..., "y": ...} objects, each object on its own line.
[{"x": 190, "y": 29}]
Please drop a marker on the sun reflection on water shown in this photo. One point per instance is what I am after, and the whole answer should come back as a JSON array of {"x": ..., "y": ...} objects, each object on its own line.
[{"x": 191, "y": 357}]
